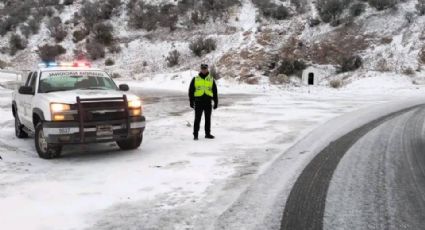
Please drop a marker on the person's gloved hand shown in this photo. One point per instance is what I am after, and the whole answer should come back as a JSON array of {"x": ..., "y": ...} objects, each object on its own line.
[
  {"x": 215, "y": 106},
  {"x": 192, "y": 105}
]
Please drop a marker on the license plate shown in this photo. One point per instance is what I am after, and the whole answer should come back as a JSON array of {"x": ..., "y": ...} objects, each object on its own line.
[{"x": 104, "y": 130}]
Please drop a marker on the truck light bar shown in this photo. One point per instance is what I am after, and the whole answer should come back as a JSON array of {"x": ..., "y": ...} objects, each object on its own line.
[{"x": 64, "y": 64}]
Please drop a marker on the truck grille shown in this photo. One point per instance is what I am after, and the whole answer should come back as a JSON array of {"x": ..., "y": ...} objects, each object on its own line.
[{"x": 103, "y": 111}]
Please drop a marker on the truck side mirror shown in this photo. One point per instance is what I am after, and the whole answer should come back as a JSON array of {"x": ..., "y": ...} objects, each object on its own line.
[
  {"x": 124, "y": 87},
  {"x": 27, "y": 90}
]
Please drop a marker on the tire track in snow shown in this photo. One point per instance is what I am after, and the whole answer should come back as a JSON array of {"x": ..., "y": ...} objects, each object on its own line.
[{"x": 305, "y": 206}]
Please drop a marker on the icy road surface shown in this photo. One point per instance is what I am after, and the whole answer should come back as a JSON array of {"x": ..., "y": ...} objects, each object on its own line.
[
  {"x": 171, "y": 182},
  {"x": 380, "y": 182}
]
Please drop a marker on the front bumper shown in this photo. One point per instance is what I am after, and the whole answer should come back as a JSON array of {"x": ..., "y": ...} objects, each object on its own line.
[{"x": 69, "y": 132}]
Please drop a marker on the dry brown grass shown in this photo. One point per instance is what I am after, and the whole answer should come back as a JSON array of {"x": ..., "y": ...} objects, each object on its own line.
[{"x": 330, "y": 48}]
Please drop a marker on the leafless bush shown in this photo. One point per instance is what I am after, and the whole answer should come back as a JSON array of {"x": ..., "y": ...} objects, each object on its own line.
[
  {"x": 103, "y": 33},
  {"x": 49, "y": 53},
  {"x": 16, "y": 43},
  {"x": 357, "y": 9},
  {"x": 420, "y": 7},
  {"x": 215, "y": 72},
  {"x": 56, "y": 29},
  {"x": 144, "y": 16},
  {"x": 289, "y": 66},
  {"x": 201, "y": 46},
  {"x": 409, "y": 16},
  {"x": 169, "y": 16},
  {"x": 300, "y": 5},
  {"x": 350, "y": 63},
  {"x": 95, "y": 50},
  {"x": 90, "y": 13},
  {"x": 272, "y": 10},
  {"x": 279, "y": 79},
  {"x": 34, "y": 26},
  {"x": 68, "y": 2},
  {"x": 173, "y": 58},
  {"x": 3, "y": 64},
  {"x": 422, "y": 55},
  {"x": 115, "y": 75},
  {"x": 25, "y": 30},
  {"x": 109, "y": 62},
  {"x": 79, "y": 35},
  {"x": 382, "y": 4},
  {"x": 330, "y": 10},
  {"x": 408, "y": 71},
  {"x": 335, "y": 84},
  {"x": 114, "y": 48}
]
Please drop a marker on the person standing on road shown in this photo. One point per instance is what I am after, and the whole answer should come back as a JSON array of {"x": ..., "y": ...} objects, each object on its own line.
[{"x": 202, "y": 92}]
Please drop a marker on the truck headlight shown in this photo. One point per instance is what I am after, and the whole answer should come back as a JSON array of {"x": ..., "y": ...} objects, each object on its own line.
[
  {"x": 135, "y": 107},
  {"x": 59, "y": 112},
  {"x": 135, "y": 104},
  {"x": 58, "y": 107}
]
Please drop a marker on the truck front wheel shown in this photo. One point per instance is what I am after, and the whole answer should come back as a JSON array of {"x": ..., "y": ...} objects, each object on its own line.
[
  {"x": 131, "y": 143},
  {"x": 44, "y": 149},
  {"x": 19, "y": 129}
]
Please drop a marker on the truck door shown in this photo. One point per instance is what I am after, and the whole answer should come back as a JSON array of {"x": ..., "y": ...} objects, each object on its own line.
[
  {"x": 20, "y": 100},
  {"x": 26, "y": 101}
]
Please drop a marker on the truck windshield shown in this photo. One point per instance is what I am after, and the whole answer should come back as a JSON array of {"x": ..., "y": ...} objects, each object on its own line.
[{"x": 53, "y": 81}]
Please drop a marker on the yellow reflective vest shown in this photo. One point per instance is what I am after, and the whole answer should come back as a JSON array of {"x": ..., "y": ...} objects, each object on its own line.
[{"x": 204, "y": 86}]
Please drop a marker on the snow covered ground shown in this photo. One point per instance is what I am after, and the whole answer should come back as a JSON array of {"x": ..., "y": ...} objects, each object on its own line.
[{"x": 171, "y": 182}]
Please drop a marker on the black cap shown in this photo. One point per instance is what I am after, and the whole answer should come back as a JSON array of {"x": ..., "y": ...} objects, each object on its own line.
[{"x": 204, "y": 66}]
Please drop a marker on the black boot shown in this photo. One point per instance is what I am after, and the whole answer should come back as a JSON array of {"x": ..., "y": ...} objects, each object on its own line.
[
  {"x": 195, "y": 137},
  {"x": 209, "y": 136}
]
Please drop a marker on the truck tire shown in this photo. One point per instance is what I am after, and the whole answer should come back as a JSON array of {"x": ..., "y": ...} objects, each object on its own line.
[
  {"x": 19, "y": 129},
  {"x": 44, "y": 149},
  {"x": 131, "y": 143}
]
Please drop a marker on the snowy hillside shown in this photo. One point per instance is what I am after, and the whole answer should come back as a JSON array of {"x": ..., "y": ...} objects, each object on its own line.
[{"x": 254, "y": 41}]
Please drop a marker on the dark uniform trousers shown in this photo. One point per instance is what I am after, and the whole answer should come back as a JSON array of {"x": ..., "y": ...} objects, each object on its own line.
[{"x": 202, "y": 106}]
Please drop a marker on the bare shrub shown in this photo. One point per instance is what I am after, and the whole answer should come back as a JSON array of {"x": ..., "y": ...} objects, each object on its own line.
[
  {"x": 95, "y": 50},
  {"x": 115, "y": 75},
  {"x": 336, "y": 84},
  {"x": 103, "y": 33},
  {"x": 289, "y": 66},
  {"x": 34, "y": 26},
  {"x": 3, "y": 64},
  {"x": 16, "y": 43},
  {"x": 422, "y": 55},
  {"x": 79, "y": 35},
  {"x": 357, "y": 9},
  {"x": 201, "y": 46},
  {"x": 215, "y": 72},
  {"x": 169, "y": 16},
  {"x": 272, "y": 10},
  {"x": 56, "y": 29},
  {"x": 408, "y": 71},
  {"x": 90, "y": 13},
  {"x": 144, "y": 16},
  {"x": 114, "y": 48},
  {"x": 330, "y": 10},
  {"x": 173, "y": 58},
  {"x": 350, "y": 63},
  {"x": 409, "y": 16},
  {"x": 109, "y": 62},
  {"x": 420, "y": 7},
  {"x": 68, "y": 2},
  {"x": 382, "y": 4},
  {"x": 49, "y": 53},
  {"x": 300, "y": 5},
  {"x": 25, "y": 30},
  {"x": 279, "y": 79}
]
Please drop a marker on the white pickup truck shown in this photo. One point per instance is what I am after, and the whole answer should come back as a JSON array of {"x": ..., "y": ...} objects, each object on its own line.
[{"x": 72, "y": 103}]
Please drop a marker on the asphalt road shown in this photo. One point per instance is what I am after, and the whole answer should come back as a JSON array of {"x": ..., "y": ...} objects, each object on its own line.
[{"x": 371, "y": 178}]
